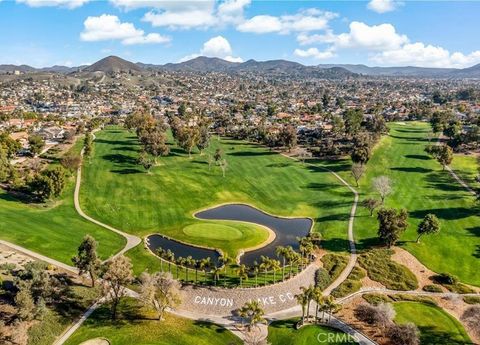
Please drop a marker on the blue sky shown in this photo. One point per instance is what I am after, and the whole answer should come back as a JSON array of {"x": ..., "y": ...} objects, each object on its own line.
[{"x": 376, "y": 32}]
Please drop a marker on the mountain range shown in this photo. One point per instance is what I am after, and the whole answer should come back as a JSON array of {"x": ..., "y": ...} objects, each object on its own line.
[{"x": 204, "y": 64}]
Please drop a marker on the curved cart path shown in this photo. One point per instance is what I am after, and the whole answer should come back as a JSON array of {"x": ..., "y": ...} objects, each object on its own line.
[{"x": 132, "y": 240}]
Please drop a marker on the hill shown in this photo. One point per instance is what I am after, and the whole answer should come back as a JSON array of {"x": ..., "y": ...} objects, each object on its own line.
[{"x": 112, "y": 64}]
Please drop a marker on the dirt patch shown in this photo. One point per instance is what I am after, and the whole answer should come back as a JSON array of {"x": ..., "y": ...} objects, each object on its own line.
[{"x": 423, "y": 274}]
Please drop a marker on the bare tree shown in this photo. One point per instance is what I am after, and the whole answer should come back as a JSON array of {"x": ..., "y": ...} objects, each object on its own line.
[
  {"x": 370, "y": 204},
  {"x": 471, "y": 317},
  {"x": 383, "y": 186},
  {"x": 160, "y": 291},
  {"x": 381, "y": 315},
  {"x": 223, "y": 165},
  {"x": 118, "y": 274},
  {"x": 357, "y": 171},
  {"x": 407, "y": 334}
]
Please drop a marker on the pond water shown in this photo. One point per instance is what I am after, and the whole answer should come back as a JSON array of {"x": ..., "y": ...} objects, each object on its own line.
[
  {"x": 287, "y": 230},
  {"x": 179, "y": 249}
]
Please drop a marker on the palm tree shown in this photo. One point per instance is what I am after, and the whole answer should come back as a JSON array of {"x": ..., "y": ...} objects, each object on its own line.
[
  {"x": 274, "y": 265},
  {"x": 292, "y": 258},
  {"x": 309, "y": 293},
  {"x": 189, "y": 261},
  {"x": 179, "y": 261},
  {"x": 170, "y": 257},
  {"x": 282, "y": 251},
  {"x": 265, "y": 265},
  {"x": 242, "y": 273},
  {"x": 225, "y": 260},
  {"x": 198, "y": 265},
  {"x": 253, "y": 313},
  {"x": 161, "y": 253},
  {"x": 216, "y": 274},
  {"x": 319, "y": 301},
  {"x": 331, "y": 306},
  {"x": 204, "y": 265},
  {"x": 302, "y": 299},
  {"x": 256, "y": 269}
]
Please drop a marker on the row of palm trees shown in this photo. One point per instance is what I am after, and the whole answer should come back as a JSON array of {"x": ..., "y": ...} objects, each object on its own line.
[
  {"x": 323, "y": 304},
  {"x": 289, "y": 259}
]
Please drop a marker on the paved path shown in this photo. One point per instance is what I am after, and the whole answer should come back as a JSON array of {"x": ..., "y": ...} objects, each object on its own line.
[{"x": 132, "y": 241}]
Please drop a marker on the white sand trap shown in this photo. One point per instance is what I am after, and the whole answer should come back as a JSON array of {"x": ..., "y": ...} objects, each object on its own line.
[
  {"x": 402, "y": 123},
  {"x": 96, "y": 341}
]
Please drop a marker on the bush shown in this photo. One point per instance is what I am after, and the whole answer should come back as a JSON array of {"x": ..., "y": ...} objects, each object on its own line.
[
  {"x": 322, "y": 278},
  {"x": 379, "y": 315},
  {"x": 471, "y": 299},
  {"x": 407, "y": 334},
  {"x": 446, "y": 278},
  {"x": 381, "y": 268},
  {"x": 375, "y": 299},
  {"x": 351, "y": 284},
  {"x": 413, "y": 298},
  {"x": 432, "y": 288},
  {"x": 334, "y": 264},
  {"x": 471, "y": 317}
]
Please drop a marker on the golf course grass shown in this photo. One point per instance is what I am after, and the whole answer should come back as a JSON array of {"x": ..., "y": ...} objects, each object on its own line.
[
  {"x": 119, "y": 192},
  {"x": 140, "y": 327},
  {"x": 421, "y": 186},
  {"x": 466, "y": 167},
  {"x": 284, "y": 333},
  {"x": 435, "y": 325},
  {"x": 55, "y": 229}
]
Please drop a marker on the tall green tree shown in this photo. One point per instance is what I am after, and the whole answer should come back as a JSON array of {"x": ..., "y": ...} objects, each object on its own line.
[
  {"x": 391, "y": 224},
  {"x": 87, "y": 260},
  {"x": 429, "y": 225}
]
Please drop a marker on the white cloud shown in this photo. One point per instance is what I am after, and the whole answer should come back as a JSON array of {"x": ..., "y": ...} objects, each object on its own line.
[
  {"x": 146, "y": 39},
  {"x": 303, "y": 21},
  {"x": 51, "y": 3},
  {"x": 314, "y": 53},
  {"x": 109, "y": 27},
  {"x": 261, "y": 24},
  {"x": 383, "y": 6},
  {"x": 420, "y": 54},
  {"x": 385, "y": 46},
  {"x": 133, "y": 4},
  {"x": 193, "y": 13},
  {"x": 215, "y": 47}
]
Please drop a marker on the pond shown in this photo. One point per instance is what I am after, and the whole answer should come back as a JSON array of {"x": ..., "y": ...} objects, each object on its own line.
[
  {"x": 180, "y": 249},
  {"x": 286, "y": 230}
]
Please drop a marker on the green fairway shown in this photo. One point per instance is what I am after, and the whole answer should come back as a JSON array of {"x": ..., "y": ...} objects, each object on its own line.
[
  {"x": 435, "y": 325},
  {"x": 421, "y": 186},
  {"x": 119, "y": 192},
  {"x": 466, "y": 167},
  {"x": 54, "y": 230},
  {"x": 284, "y": 333},
  {"x": 139, "y": 327}
]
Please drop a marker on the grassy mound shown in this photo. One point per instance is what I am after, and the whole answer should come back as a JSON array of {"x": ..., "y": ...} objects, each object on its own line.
[
  {"x": 435, "y": 325},
  {"x": 284, "y": 333},
  {"x": 138, "y": 326},
  {"x": 381, "y": 268}
]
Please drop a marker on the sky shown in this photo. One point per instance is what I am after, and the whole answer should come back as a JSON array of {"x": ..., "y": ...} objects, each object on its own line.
[{"x": 376, "y": 33}]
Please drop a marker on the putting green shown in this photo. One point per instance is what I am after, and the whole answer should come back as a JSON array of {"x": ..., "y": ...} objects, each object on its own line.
[{"x": 213, "y": 231}]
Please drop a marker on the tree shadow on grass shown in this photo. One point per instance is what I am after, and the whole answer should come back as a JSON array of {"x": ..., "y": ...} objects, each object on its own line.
[
  {"x": 251, "y": 153},
  {"x": 368, "y": 243},
  {"x": 333, "y": 165},
  {"x": 120, "y": 159},
  {"x": 333, "y": 217},
  {"x": 127, "y": 171},
  {"x": 450, "y": 213},
  {"x": 335, "y": 244},
  {"x": 412, "y": 169},
  {"x": 441, "y": 180},
  {"x": 418, "y": 139},
  {"x": 279, "y": 165},
  {"x": 419, "y": 157},
  {"x": 125, "y": 148},
  {"x": 126, "y": 142},
  {"x": 206, "y": 323},
  {"x": 431, "y": 336}
]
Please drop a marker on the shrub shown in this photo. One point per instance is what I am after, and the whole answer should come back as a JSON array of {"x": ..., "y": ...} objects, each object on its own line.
[
  {"x": 381, "y": 268},
  {"x": 471, "y": 317},
  {"x": 432, "y": 288},
  {"x": 322, "y": 278},
  {"x": 407, "y": 334},
  {"x": 471, "y": 299},
  {"x": 445, "y": 278},
  {"x": 334, "y": 264},
  {"x": 380, "y": 315},
  {"x": 375, "y": 299},
  {"x": 351, "y": 284}
]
